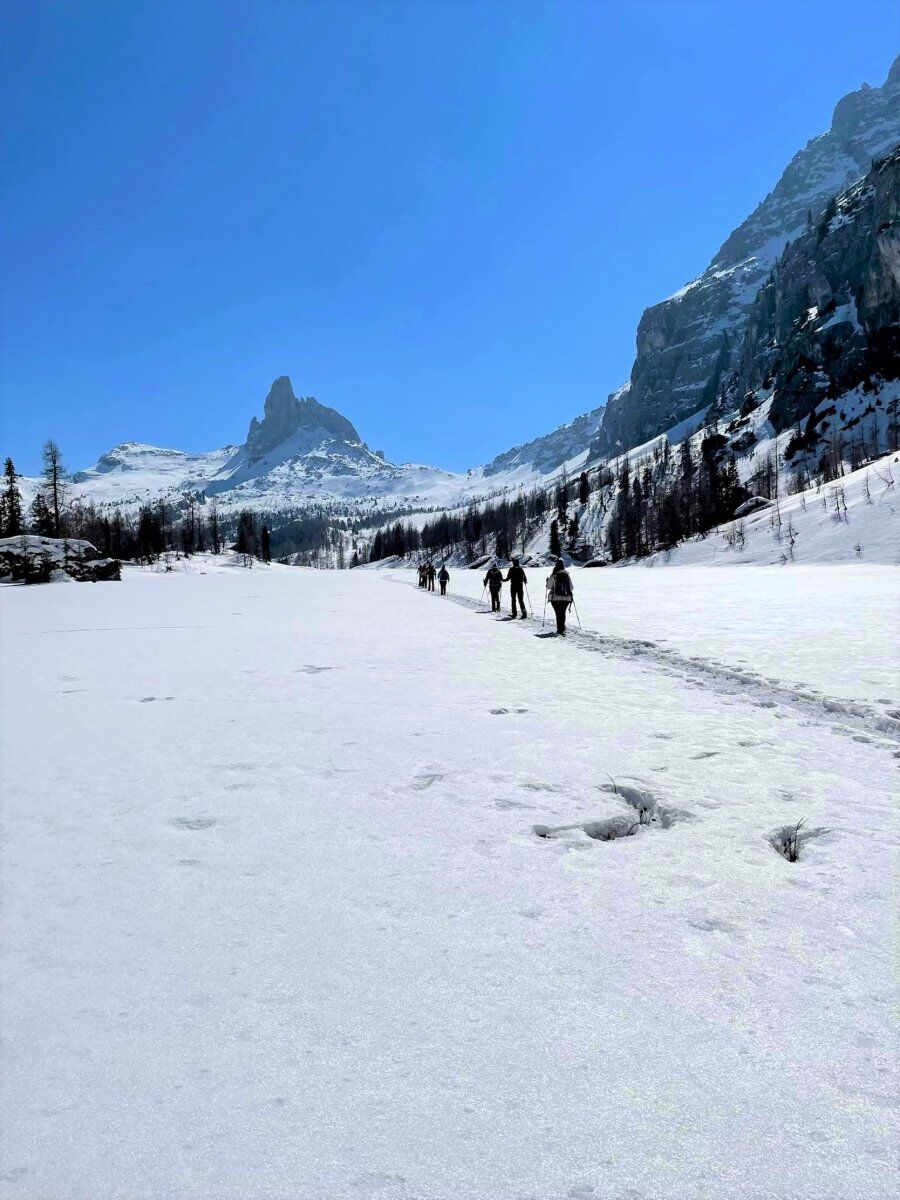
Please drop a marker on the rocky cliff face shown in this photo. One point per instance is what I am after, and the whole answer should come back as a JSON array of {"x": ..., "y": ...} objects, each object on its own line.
[
  {"x": 688, "y": 346},
  {"x": 828, "y": 318},
  {"x": 284, "y": 416}
]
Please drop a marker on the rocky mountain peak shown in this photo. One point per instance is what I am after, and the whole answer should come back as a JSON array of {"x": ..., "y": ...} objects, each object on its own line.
[{"x": 284, "y": 416}]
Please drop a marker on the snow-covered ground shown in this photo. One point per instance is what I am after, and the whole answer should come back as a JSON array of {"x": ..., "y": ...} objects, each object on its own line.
[
  {"x": 278, "y": 926},
  {"x": 823, "y": 630}
]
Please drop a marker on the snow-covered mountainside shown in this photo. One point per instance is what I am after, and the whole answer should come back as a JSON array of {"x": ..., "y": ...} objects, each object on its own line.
[
  {"x": 543, "y": 455},
  {"x": 301, "y": 452},
  {"x": 688, "y": 344},
  {"x": 304, "y": 453}
]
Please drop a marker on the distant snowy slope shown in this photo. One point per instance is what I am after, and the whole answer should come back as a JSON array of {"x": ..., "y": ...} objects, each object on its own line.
[
  {"x": 853, "y": 519},
  {"x": 543, "y": 455}
]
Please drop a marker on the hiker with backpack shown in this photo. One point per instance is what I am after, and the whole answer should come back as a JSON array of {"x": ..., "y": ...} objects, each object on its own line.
[
  {"x": 517, "y": 579},
  {"x": 443, "y": 579},
  {"x": 429, "y": 575},
  {"x": 423, "y": 579},
  {"x": 560, "y": 594},
  {"x": 493, "y": 581}
]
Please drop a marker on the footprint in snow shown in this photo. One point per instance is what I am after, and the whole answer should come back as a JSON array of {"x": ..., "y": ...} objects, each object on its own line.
[
  {"x": 153, "y": 699},
  {"x": 310, "y": 669},
  {"x": 705, "y": 754},
  {"x": 501, "y": 712},
  {"x": 711, "y": 924},
  {"x": 421, "y": 782},
  {"x": 377, "y": 1180},
  {"x": 193, "y": 822}
]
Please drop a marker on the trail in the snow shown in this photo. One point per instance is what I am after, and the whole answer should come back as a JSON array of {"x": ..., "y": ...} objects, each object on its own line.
[{"x": 856, "y": 720}]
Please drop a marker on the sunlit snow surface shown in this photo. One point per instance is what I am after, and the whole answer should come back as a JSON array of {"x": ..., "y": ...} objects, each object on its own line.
[{"x": 278, "y": 928}]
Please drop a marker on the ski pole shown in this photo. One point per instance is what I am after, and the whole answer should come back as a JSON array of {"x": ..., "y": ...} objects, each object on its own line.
[
  {"x": 575, "y": 606},
  {"x": 528, "y": 594},
  {"x": 483, "y": 590},
  {"x": 544, "y": 617}
]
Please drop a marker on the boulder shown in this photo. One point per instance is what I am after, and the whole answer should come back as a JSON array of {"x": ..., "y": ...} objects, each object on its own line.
[{"x": 30, "y": 558}]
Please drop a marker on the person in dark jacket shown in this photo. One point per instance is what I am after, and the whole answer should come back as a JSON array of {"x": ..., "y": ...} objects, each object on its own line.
[
  {"x": 516, "y": 578},
  {"x": 493, "y": 581},
  {"x": 423, "y": 578},
  {"x": 443, "y": 579},
  {"x": 560, "y": 594},
  {"x": 430, "y": 574}
]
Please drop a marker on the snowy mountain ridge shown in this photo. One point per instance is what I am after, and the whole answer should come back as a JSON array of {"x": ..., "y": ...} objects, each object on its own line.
[{"x": 303, "y": 453}]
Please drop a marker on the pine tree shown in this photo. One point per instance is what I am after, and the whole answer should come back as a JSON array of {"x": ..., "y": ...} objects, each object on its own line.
[
  {"x": 11, "y": 513},
  {"x": 555, "y": 547},
  {"x": 265, "y": 544},
  {"x": 54, "y": 484},
  {"x": 40, "y": 519},
  {"x": 247, "y": 537}
]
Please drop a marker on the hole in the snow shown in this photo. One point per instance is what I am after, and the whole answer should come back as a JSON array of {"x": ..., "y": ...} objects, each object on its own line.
[
  {"x": 645, "y": 804},
  {"x": 789, "y": 840},
  {"x": 608, "y": 830}
]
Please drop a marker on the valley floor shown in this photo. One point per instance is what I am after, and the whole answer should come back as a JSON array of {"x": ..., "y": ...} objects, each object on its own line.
[{"x": 278, "y": 926}]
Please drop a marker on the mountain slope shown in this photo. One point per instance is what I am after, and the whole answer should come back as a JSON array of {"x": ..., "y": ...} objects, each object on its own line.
[
  {"x": 828, "y": 318},
  {"x": 688, "y": 344}
]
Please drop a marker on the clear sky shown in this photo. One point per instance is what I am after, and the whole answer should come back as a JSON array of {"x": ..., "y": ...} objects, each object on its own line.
[{"x": 443, "y": 219}]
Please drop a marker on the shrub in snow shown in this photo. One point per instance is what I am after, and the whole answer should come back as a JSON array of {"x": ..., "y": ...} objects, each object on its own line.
[{"x": 788, "y": 840}]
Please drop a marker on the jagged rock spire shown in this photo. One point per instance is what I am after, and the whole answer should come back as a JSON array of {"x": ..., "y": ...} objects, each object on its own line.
[{"x": 284, "y": 415}]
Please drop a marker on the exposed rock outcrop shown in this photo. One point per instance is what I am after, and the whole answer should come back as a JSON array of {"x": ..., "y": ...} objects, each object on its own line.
[
  {"x": 688, "y": 346},
  {"x": 828, "y": 318}
]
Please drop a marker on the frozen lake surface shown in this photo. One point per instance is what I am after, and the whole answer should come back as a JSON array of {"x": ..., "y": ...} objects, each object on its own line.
[{"x": 278, "y": 926}]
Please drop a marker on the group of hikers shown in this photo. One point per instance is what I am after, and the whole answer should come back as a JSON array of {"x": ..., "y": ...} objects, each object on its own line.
[
  {"x": 427, "y": 573},
  {"x": 559, "y": 587}
]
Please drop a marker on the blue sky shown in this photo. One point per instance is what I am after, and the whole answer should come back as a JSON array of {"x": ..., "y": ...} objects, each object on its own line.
[{"x": 443, "y": 219}]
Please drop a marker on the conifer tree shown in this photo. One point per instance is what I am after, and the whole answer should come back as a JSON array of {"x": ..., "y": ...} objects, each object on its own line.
[
  {"x": 11, "y": 512},
  {"x": 584, "y": 488},
  {"x": 54, "y": 484},
  {"x": 555, "y": 547},
  {"x": 40, "y": 519}
]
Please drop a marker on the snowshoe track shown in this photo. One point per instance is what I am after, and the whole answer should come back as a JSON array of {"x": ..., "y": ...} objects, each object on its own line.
[{"x": 845, "y": 716}]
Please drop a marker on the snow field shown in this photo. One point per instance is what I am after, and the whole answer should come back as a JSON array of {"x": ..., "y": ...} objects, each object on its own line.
[
  {"x": 278, "y": 924},
  {"x": 825, "y": 631}
]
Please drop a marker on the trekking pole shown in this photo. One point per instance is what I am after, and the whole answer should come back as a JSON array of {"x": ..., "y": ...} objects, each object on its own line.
[
  {"x": 575, "y": 606},
  {"x": 483, "y": 590},
  {"x": 528, "y": 594},
  {"x": 544, "y": 617}
]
